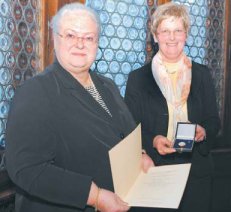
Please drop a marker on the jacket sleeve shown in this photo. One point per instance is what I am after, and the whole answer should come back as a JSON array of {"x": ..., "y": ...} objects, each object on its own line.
[
  {"x": 134, "y": 100},
  {"x": 210, "y": 121},
  {"x": 31, "y": 150}
]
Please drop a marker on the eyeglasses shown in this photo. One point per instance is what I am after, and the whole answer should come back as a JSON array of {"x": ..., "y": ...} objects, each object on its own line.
[
  {"x": 167, "y": 33},
  {"x": 71, "y": 38}
]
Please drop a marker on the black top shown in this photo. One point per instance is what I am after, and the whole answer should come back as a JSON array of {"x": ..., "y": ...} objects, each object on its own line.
[
  {"x": 148, "y": 106},
  {"x": 57, "y": 140}
]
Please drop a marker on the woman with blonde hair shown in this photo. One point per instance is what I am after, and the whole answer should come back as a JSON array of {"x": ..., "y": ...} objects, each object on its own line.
[{"x": 171, "y": 89}]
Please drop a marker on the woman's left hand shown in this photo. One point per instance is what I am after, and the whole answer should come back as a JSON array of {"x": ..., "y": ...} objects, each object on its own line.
[
  {"x": 147, "y": 162},
  {"x": 200, "y": 133}
]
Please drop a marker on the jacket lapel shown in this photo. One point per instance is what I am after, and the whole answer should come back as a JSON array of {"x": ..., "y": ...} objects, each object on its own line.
[
  {"x": 110, "y": 100},
  {"x": 81, "y": 94},
  {"x": 152, "y": 87}
]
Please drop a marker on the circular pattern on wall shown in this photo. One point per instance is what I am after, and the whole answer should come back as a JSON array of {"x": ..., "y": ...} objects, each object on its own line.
[
  {"x": 205, "y": 44},
  {"x": 123, "y": 37}
]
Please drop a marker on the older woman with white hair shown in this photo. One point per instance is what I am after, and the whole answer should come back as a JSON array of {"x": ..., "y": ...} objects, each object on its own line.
[
  {"x": 172, "y": 89},
  {"x": 63, "y": 122}
]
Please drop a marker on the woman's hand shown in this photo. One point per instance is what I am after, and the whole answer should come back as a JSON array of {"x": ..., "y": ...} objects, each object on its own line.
[
  {"x": 147, "y": 162},
  {"x": 200, "y": 133},
  {"x": 163, "y": 145},
  {"x": 110, "y": 202},
  {"x": 105, "y": 201}
]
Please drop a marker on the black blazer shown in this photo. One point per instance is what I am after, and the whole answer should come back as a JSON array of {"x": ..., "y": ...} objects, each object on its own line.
[
  {"x": 148, "y": 106},
  {"x": 57, "y": 140}
]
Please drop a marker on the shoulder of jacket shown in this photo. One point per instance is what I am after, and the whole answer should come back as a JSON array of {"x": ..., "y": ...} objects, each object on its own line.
[
  {"x": 141, "y": 74},
  {"x": 36, "y": 82},
  {"x": 142, "y": 70},
  {"x": 199, "y": 67}
]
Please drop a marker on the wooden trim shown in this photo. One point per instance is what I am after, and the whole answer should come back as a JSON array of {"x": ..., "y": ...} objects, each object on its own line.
[
  {"x": 227, "y": 74},
  {"x": 159, "y": 2},
  {"x": 48, "y": 9},
  {"x": 41, "y": 49},
  {"x": 45, "y": 47},
  {"x": 226, "y": 57}
]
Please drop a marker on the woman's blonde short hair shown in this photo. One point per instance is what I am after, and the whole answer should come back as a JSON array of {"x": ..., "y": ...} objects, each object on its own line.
[{"x": 170, "y": 10}]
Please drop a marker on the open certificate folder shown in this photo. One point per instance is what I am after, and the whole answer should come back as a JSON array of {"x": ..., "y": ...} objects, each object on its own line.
[{"x": 161, "y": 187}]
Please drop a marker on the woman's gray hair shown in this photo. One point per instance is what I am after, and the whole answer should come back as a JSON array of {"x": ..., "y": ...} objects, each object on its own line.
[
  {"x": 72, "y": 8},
  {"x": 167, "y": 10}
]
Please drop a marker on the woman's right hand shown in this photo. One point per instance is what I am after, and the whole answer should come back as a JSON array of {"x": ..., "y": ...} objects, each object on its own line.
[
  {"x": 110, "y": 202},
  {"x": 163, "y": 145}
]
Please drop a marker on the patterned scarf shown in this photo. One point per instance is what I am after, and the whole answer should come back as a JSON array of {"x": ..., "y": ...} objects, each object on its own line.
[{"x": 175, "y": 97}]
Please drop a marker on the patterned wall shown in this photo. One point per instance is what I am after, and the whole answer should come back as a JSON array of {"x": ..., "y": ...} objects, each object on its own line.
[
  {"x": 123, "y": 38},
  {"x": 18, "y": 39},
  {"x": 205, "y": 44},
  {"x": 214, "y": 44}
]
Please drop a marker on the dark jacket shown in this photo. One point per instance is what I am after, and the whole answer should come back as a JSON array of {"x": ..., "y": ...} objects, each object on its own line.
[
  {"x": 57, "y": 140},
  {"x": 148, "y": 106}
]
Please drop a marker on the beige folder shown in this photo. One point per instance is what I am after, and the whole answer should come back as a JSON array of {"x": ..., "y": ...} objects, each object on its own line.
[{"x": 162, "y": 186}]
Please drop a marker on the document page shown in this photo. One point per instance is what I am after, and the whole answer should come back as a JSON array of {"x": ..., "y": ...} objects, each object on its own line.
[{"x": 162, "y": 186}]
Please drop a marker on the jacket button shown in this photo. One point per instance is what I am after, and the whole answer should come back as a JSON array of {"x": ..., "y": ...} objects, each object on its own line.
[{"x": 122, "y": 136}]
